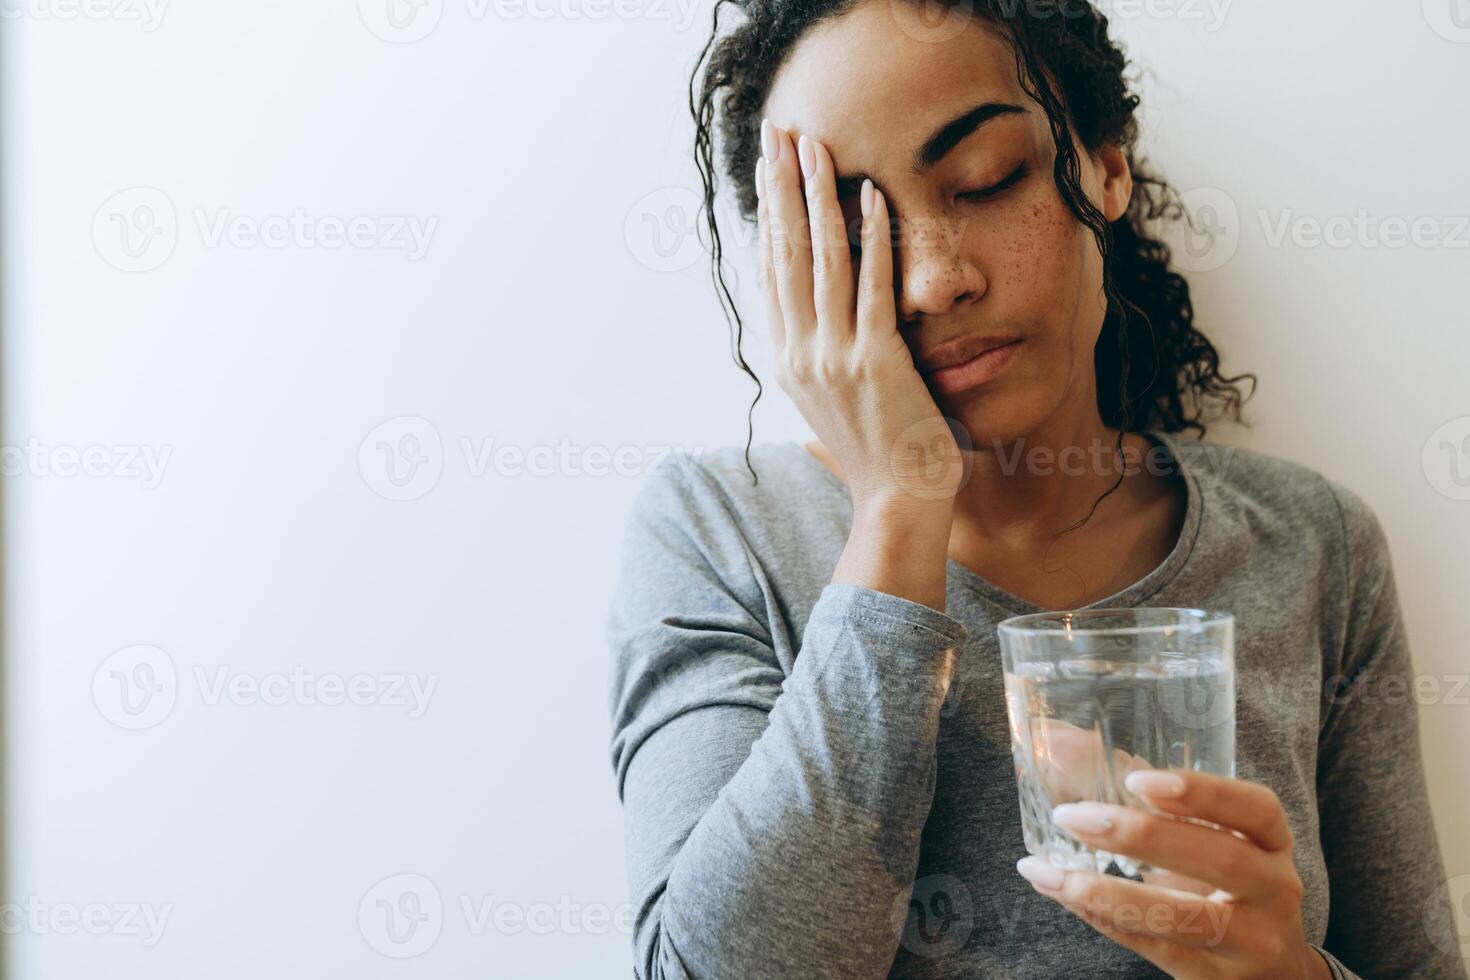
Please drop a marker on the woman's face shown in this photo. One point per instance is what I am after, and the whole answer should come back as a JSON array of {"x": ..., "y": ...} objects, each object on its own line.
[{"x": 875, "y": 88}]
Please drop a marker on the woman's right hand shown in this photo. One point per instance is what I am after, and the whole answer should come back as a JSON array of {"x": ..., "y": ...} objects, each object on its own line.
[{"x": 838, "y": 352}]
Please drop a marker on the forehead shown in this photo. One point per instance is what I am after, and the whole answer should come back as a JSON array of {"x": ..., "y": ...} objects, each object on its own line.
[{"x": 884, "y": 74}]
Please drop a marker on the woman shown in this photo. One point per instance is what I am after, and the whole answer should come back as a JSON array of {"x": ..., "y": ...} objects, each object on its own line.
[{"x": 809, "y": 720}]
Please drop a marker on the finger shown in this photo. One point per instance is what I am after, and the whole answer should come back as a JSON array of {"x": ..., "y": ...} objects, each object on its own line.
[
  {"x": 831, "y": 251},
  {"x": 1250, "y": 808},
  {"x": 1205, "y": 853},
  {"x": 1176, "y": 882},
  {"x": 876, "y": 313},
  {"x": 791, "y": 253},
  {"x": 1126, "y": 762},
  {"x": 1144, "y": 911},
  {"x": 767, "y": 277}
]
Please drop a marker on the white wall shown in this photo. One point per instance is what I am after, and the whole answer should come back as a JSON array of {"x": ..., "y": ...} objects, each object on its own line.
[
  {"x": 1325, "y": 137},
  {"x": 536, "y": 311}
]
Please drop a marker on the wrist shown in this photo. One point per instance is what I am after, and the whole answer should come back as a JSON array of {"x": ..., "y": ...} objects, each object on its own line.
[
  {"x": 896, "y": 508},
  {"x": 900, "y": 547},
  {"x": 904, "y": 528}
]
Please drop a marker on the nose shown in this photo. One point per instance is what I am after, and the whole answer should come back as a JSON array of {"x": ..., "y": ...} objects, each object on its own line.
[{"x": 935, "y": 273}]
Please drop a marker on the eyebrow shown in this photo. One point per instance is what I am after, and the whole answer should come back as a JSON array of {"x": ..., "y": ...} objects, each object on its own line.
[{"x": 945, "y": 138}]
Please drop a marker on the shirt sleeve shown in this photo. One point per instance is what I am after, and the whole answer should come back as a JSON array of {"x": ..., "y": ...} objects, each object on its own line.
[
  {"x": 772, "y": 822},
  {"x": 1390, "y": 914}
]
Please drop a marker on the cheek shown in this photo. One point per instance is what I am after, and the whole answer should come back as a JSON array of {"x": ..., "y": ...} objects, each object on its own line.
[{"x": 1033, "y": 259}]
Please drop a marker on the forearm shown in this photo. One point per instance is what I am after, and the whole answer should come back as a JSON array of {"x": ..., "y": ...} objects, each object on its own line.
[{"x": 797, "y": 865}]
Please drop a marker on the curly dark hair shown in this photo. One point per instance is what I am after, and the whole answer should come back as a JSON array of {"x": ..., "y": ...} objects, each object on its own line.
[{"x": 1154, "y": 368}]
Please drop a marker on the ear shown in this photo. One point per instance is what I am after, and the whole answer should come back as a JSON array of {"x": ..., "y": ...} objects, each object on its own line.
[{"x": 1116, "y": 180}]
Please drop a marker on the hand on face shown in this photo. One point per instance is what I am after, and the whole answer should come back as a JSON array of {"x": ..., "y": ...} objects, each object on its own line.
[{"x": 838, "y": 352}]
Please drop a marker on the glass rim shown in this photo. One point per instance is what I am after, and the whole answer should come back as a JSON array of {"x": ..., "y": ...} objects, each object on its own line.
[{"x": 1020, "y": 625}]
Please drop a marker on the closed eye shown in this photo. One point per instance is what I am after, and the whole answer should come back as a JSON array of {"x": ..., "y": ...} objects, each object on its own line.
[
  {"x": 985, "y": 193},
  {"x": 854, "y": 239}
]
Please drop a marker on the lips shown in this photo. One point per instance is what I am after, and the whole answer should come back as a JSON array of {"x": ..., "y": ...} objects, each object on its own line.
[{"x": 959, "y": 351}]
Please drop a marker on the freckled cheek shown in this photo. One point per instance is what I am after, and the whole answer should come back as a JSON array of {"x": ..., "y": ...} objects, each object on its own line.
[{"x": 1030, "y": 256}]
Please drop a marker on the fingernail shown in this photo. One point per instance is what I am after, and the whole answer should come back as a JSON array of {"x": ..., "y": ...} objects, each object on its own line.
[
  {"x": 1087, "y": 818},
  {"x": 866, "y": 197},
  {"x": 1154, "y": 782},
  {"x": 760, "y": 178},
  {"x": 770, "y": 146},
  {"x": 1040, "y": 873},
  {"x": 807, "y": 154}
]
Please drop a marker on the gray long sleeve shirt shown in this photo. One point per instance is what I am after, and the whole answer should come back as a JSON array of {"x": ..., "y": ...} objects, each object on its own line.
[{"x": 817, "y": 778}]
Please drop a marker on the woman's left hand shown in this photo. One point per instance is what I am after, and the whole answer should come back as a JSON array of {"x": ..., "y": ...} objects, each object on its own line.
[{"x": 1248, "y": 926}]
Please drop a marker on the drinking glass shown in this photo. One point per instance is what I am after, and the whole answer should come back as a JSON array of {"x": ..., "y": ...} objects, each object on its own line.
[{"x": 1093, "y": 694}]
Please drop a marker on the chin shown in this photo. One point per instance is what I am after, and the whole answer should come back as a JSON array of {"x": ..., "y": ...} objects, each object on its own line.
[{"x": 990, "y": 420}]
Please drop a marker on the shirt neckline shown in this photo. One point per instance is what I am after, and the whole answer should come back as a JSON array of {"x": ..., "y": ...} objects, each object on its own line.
[{"x": 1132, "y": 595}]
